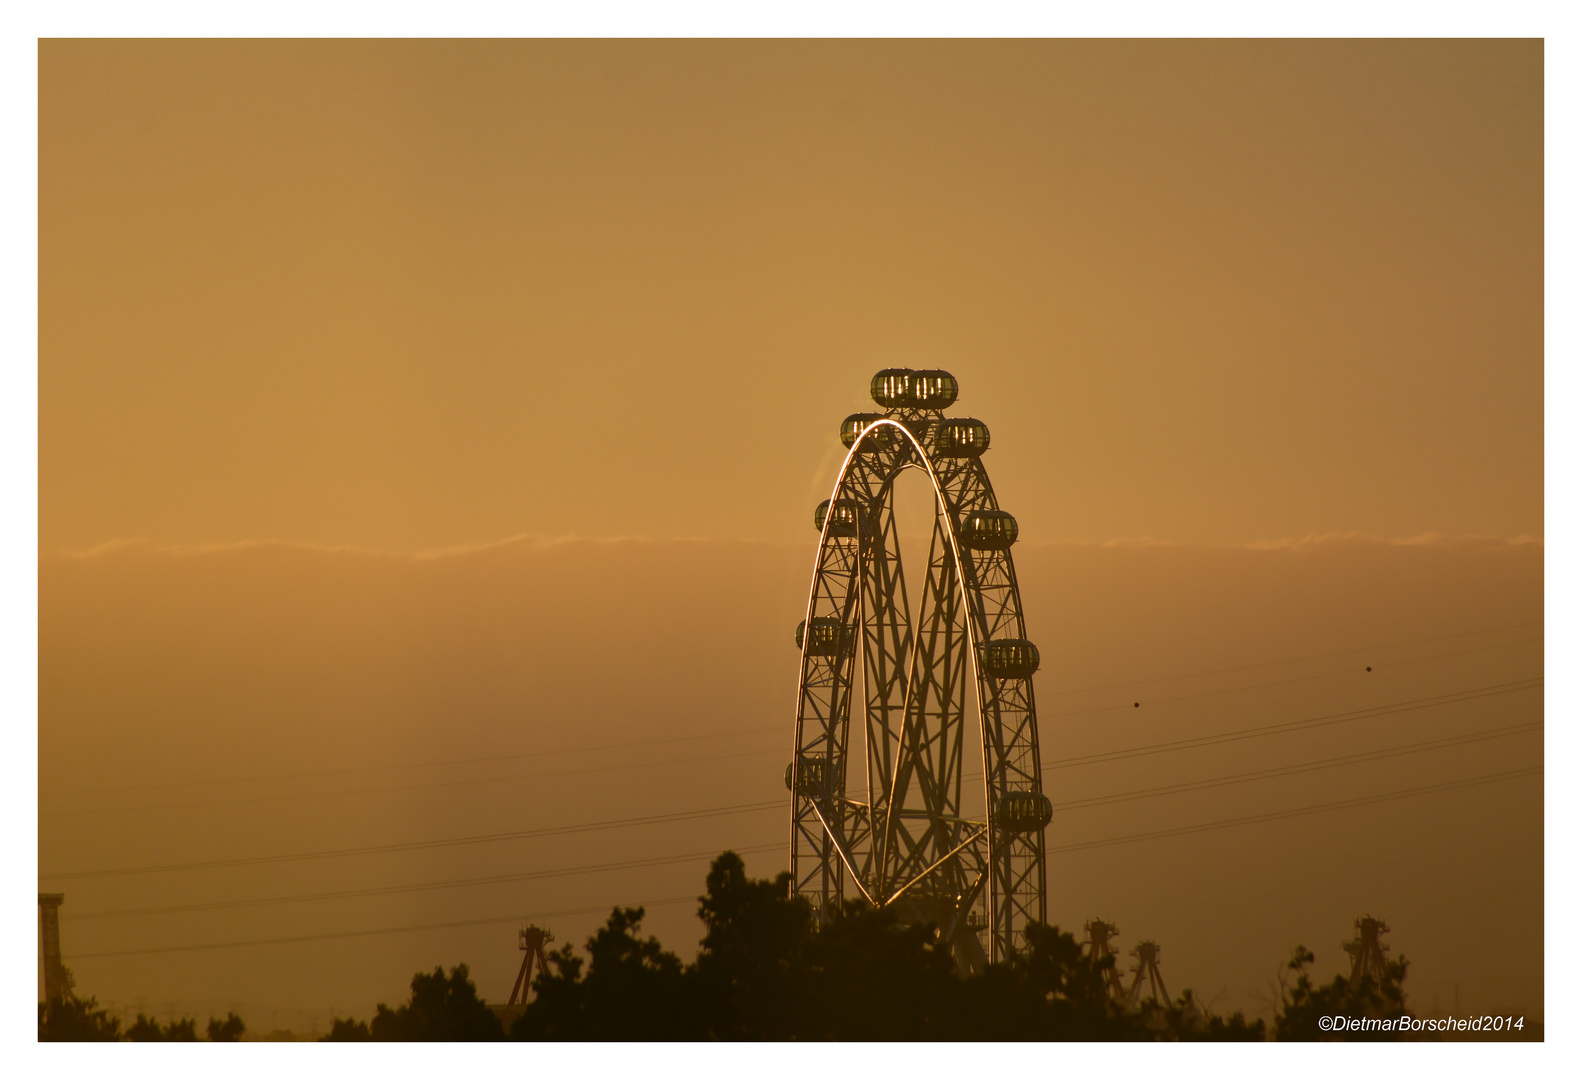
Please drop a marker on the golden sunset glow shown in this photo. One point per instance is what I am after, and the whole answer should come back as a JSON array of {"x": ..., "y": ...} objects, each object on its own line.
[{"x": 430, "y": 435}]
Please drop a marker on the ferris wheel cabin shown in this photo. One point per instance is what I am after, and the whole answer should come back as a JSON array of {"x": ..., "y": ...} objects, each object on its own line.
[
  {"x": 903, "y": 388},
  {"x": 989, "y": 530},
  {"x": 1010, "y": 658}
]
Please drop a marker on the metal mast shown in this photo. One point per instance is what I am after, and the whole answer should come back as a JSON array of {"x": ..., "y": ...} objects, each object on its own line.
[
  {"x": 1099, "y": 934},
  {"x": 57, "y": 980},
  {"x": 1147, "y": 954},
  {"x": 1367, "y": 952},
  {"x": 533, "y": 939}
]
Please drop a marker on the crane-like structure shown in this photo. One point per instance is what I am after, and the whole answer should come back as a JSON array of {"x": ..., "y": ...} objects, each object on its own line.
[
  {"x": 1147, "y": 969},
  {"x": 533, "y": 939},
  {"x": 1099, "y": 950},
  {"x": 1367, "y": 952}
]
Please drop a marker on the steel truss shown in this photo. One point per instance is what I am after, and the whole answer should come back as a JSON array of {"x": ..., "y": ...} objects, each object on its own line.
[{"x": 902, "y": 836}]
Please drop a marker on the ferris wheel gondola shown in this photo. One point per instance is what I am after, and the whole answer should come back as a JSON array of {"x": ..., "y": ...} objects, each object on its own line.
[{"x": 906, "y": 835}]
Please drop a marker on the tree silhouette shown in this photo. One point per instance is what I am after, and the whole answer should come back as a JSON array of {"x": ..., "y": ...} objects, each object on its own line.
[
  {"x": 348, "y": 1030},
  {"x": 1304, "y": 1004},
  {"x": 748, "y": 977},
  {"x": 767, "y": 970},
  {"x": 147, "y": 1029},
  {"x": 228, "y": 1030},
  {"x": 441, "y": 1010},
  {"x": 1186, "y": 1020},
  {"x": 74, "y": 1019},
  {"x": 1048, "y": 990},
  {"x": 633, "y": 990},
  {"x": 869, "y": 977}
]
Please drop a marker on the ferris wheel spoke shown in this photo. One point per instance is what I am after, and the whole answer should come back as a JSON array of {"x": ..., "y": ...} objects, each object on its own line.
[
  {"x": 906, "y": 841},
  {"x": 972, "y": 837}
]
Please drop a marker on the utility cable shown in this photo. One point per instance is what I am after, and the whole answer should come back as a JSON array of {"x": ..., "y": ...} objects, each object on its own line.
[
  {"x": 1412, "y": 705},
  {"x": 1302, "y": 767},
  {"x": 294, "y": 796},
  {"x": 1300, "y": 659},
  {"x": 765, "y": 728},
  {"x": 1211, "y": 826},
  {"x": 1277, "y": 815},
  {"x": 1241, "y": 734},
  {"x": 413, "y": 765},
  {"x": 1156, "y": 748},
  {"x": 1145, "y": 793},
  {"x": 382, "y": 930},
  {"x": 385, "y": 890},
  {"x": 465, "y": 782},
  {"x": 1287, "y": 682},
  {"x": 422, "y": 845}
]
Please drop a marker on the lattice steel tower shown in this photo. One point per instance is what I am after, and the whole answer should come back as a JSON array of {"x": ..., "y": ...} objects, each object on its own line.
[
  {"x": 894, "y": 826},
  {"x": 1367, "y": 952},
  {"x": 1099, "y": 950},
  {"x": 1146, "y": 973},
  {"x": 57, "y": 980},
  {"x": 532, "y": 939}
]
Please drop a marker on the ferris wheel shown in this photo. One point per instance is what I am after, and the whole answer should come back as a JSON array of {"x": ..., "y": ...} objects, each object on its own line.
[{"x": 912, "y": 818}]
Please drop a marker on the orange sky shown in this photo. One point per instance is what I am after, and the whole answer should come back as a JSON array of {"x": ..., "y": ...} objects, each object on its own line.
[
  {"x": 311, "y": 312},
  {"x": 408, "y": 295}
]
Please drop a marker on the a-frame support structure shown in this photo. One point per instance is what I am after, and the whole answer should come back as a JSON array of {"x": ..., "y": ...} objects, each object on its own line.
[
  {"x": 533, "y": 939},
  {"x": 1147, "y": 954},
  {"x": 1367, "y": 952},
  {"x": 1099, "y": 950}
]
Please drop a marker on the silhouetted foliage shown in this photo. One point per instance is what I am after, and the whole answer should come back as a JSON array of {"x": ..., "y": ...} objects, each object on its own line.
[
  {"x": 748, "y": 979},
  {"x": 1049, "y": 990},
  {"x": 348, "y": 1030},
  {"x": 228, "y": 1030},
  {"x": 441, "y": 1010},
  {"x": 1185, "y": 1020},
  {"x": 869, "y": 977},
  {"x": 766, "y": 971},
  {"x": 633, "y": 989},
  {"x": 1304, "y": 1004},
  {"x": 73, "y": 1019},
  {"x": 147, "y": 1029}
]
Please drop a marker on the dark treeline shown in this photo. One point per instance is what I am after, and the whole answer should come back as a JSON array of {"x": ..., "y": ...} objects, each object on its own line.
[
  {"x": 766, "y": 970},
  {"x": 75, "y": 1019}
]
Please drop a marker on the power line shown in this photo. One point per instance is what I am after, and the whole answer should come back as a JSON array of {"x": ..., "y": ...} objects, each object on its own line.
[
  {"x": 1197, "y": 785},
  {"x": 413, "y": 765},
  {"x": 778, "y": 727},
  {"x": 384, "y": 890},
  {"x": 1061, "y": 849},
  {"x": 1103, "y": 800},
  {"x": 294, "y": 796},
  {"x": 1295, "y": 679},
  {"x": 1277, "y": 815},
  {"x": 420, "y": 845},
  {"x": 1157, "y": 748},
  {"x": 1301, "y": 659},
  {"x": 465, "y": 782},
  {"x": 1411, "y": 705},
  {"x": 1241, "y": 734},
  {"x": 1301, "y": 767},
  {"x": 383, "y": 930}
]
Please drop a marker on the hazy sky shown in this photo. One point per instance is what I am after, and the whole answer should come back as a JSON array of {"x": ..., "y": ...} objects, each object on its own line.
[
  {"x": 408, "y": 295},
  {"x": 264, "y": 701},
  {"x": 312, "y": 312}
]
